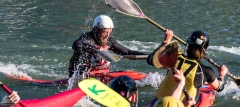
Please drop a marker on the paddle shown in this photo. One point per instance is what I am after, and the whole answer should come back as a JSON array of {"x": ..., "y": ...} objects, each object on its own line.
[
  {"x": 10, "y": 92},
  {"x": 106, "y": 55},
  {"x": 166, "y": 57},
  {"x": 102, "y": 93},
  {"x": 130, "y": 8}
]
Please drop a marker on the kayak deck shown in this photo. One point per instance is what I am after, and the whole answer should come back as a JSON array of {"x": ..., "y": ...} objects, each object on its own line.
[{"x": 103, "y": 75}]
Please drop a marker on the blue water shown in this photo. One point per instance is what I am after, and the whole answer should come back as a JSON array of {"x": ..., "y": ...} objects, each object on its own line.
[{"x": 36, "y": 38}]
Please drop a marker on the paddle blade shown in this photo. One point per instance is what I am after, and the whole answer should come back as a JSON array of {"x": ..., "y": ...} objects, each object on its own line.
[
  {"x": 236, "y": 79},
  {"x": 106, "y": 55},
  {"x": 127, "y": 7},
  {"x": 166, "y": 56},
  {"x": 102, "y": 93}
]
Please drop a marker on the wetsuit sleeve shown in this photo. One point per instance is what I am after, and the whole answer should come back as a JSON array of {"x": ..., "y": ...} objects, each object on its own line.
[
  {"x": 209, "y": 74},
  {"x": 149, "y": 59},
  {"x": 84, "y": 45},
  {"x": 119, "y": 49},
  {"x": 81, "y": 46}
]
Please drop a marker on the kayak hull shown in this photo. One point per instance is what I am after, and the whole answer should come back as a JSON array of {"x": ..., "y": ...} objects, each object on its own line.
[
  {"x": 206, "y": 97},
  {"x": 103, "y": 75},
  {"x": 62, "y": 99}
]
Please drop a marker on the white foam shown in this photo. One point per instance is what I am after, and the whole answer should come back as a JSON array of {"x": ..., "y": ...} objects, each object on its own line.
[
  {"x": 153, "y": 80},
  {"x": 12, "y": 70},
  {"x": 139, "y": 45},
  {"x": 234, "y": 50},
  {"x": 86, "y": 102},
  {"x": 231, "y": 91},
  {"x": 23, "y": 70}
]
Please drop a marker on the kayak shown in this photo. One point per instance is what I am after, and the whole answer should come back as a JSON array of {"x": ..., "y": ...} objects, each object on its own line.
[
  {"x": 103, "y": 75},
  {"x": 63, "y": 99},
  {"x": 70, "y": 97},
  {"x": 92, "y": 87},
  {"x": 206, "y": 97}
]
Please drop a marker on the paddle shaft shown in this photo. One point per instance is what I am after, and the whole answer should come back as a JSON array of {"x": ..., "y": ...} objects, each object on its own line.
[
  {"x": 216, "y": 65},
  {"x": 184, "y": 43},
  {"x": 133, "y": 56},
  {"x": 4, "y": 87},
  {"x": 115, "y": 58},
  {"x": 164, "y": 29}
]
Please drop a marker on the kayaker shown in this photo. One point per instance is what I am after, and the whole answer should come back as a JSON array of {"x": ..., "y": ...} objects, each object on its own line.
[
  {"x": 126, "y": 87},
  {"x": 173, "y": 100},
  {"x": 85, "y": 48},
  {"x": 190, "y": 63},
  {"x": 11, "y": 100}
]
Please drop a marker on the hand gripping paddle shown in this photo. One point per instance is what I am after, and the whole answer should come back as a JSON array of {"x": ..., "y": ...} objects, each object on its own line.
[{"x": 166, "y": 57}]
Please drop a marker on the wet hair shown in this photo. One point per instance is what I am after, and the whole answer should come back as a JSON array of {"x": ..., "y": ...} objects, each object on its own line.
[{"x": 195, "y": 51}]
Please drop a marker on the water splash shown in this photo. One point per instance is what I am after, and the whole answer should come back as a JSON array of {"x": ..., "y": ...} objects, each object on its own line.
[
  {"x": 12, "y": 69},
  {"x": 231, "y": 91},
  {"x": 153, "y": 80},
  {"x": 91, "y": 14},
  {"x": 86, "y": 102},
  {"x": 76, "y": 78}
]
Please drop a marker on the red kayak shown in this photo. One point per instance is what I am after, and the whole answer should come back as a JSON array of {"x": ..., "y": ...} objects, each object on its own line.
[
  {"x": 206, "y": 98},
  {"x": 63, "y": 99},
  {"x": 103, "y": 75}
]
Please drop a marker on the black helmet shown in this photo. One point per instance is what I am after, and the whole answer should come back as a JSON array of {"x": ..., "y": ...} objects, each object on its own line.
[
  {"x": 124, "y": 85},
  {"x": 200, "y": 38}
]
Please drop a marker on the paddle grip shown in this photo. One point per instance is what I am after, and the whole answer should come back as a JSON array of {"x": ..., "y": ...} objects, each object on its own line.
[
  {"x": 186, "y": 93},
  {"x": 135, "y": 56},
  {"x": 4, "y": 87}
]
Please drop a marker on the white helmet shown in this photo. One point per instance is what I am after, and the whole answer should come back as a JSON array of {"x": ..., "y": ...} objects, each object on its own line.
[{"x": 103, "y": 21}]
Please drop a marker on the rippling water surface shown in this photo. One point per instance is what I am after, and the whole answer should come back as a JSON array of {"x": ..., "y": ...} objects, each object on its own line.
[{"x": 36, "y": 38}]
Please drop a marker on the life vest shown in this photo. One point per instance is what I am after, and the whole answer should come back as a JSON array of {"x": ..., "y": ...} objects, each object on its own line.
[
  {"x": 168, "y": 102},
  {"x": 189, "y": 67},
  {"x": 98, "y": 63}
]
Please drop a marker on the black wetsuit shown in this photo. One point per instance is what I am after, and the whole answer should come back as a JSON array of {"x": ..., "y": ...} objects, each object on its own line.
[
  {"x": 208, "y": 75},
  {"x": 86, "y": 47}
]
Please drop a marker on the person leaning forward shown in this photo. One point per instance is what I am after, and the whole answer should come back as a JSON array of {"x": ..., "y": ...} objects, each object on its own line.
[
  {"x": 190, "y": 63},
  {"x": 85, "y": 48}
]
